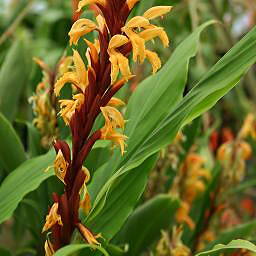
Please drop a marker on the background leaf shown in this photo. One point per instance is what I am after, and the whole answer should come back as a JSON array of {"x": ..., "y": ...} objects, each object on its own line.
[
  {"x": 144, "y": 226},
  {"x": 240, "y": 231},
  {"x": 12, "y": 153},
  {"x": 235, "y": 244},
  {"x": 26, "y": 178},
  {"x": 14, "y": 75}
]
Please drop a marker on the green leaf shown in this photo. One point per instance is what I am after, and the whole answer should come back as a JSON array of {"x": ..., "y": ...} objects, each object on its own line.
[
  {"x": 240, "y": 231},
  {"x": 5, "y": 252},
  {"x": 34, "y": 140},
  {"x": 215, "y": 84},
  {"x": 67, "y": 250},
  {"x": 121, "y": 199},
  {"x": 26, "y": 178},
  {"x": 149, "y": 104},
  {"x": 143, "y": 142},
  {"x": 12, "y": 153},
  {"x": 14, "y": 75},
  {"x": 144, "y": 226},
  {"x": 235, "y": 244}
]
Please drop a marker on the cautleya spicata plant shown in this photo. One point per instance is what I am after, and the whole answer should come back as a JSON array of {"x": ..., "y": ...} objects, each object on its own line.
[
  {"x": 141, "y": 167},
  {"x": 94, "y": 86}
]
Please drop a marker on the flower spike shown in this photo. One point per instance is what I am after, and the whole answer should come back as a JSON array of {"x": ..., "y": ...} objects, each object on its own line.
[{"x": 94, "y": 85}]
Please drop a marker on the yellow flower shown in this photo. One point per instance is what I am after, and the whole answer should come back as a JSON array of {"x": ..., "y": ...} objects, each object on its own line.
[
  {"x": 113, "y": 117},
  {"x": 154, "y": 32},
  {"x": 65, "y": 65},
  {"x": 85, "y": 203},
  {"x": 79, "y": 77},
  {"x": 79, "y": 29},
  {"x": 49, "y": 251},
  {"x": 52, "y": 218},
  {"x": 115, "y": 102},
  {"x": 68, "y": 107},
  {"x": 117, "y": 59},
  {"x": 139, "y": 38},
  {"x": 83, "y": 3},
  {"x": 113, "y": 120},
  {"x": 156, "y": 12},
  {"x": 101, "y": 22},
  {"x": 181, "y": 250},
  {"x": 60, "y": 166},
  {"x": 88, "y": 236},
  {"x": 154, "y": 60},
  {"x": 182, "y": 215},
  {"x": 117, "y": 138},
  {"x": 249, "y": 127}
]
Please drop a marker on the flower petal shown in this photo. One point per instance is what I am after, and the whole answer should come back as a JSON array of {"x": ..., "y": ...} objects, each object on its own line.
[
  {"x": 80, "y": 28},
  {"x": 154, "y": 60},
  {"x": 156, "y": 11}
]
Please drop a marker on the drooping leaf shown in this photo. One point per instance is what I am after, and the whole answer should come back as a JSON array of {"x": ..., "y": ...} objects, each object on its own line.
[
  {"x": 235, "y": 244},
  {"x": 26, "y": 178},
  {"x": 12, "y": 153},
  {"x": 144, "y": 225}
]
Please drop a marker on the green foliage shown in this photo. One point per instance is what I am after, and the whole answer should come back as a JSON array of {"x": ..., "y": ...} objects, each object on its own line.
[
  {"x": 161, "y": 106},
  {"x": 12, "y": 153},
  {"x": 26, "y": 178},
  {"x": 235, "y": 244},
  {"x": 68, "y": 250},
  {"x": 14, "y": 75},
  {"x": 144, "y": 225},
  {"x": 161, "y": 97}
]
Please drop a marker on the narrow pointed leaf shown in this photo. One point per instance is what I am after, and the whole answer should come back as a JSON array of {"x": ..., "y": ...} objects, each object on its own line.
[
  {"x": 12, "y": 153},
  {"x": 14, "y": 75}
]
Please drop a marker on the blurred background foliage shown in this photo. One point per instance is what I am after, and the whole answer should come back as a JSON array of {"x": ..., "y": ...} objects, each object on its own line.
[{"x": 39, "y": 28}]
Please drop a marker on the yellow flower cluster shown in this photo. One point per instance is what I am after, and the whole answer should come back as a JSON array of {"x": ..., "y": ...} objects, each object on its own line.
[
  {"x": 45, "y": 115},
  {"x": 172, "y": 245},
  {"x": 136, "y": 32},
  {"x": 113, "y": 121},
  {"x": 192, "y": 181}
]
